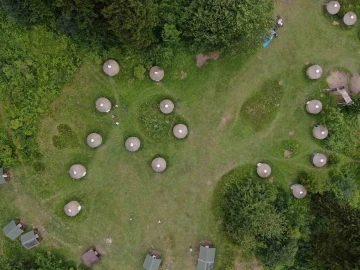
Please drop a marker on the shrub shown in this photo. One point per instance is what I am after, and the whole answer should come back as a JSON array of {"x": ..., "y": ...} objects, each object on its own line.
[
  {"x": 66, "y": 138},
  {"x": 291, "y": 145},
  {"x": 139, "y": 72}
]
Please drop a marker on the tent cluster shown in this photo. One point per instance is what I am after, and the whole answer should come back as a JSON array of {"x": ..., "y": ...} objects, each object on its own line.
[
  {"x": 333, "y": 7},
  {"x": 15, "y": 229}
]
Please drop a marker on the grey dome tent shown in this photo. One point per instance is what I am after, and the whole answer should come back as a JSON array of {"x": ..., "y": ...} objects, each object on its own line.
[
  {"x": 90, "y": 258},
  {"x": 72, "y": 208},
  {"x": 132, "y": 144},
  {"x": 319, "y": 160},
  {"x": 206, "y": 257},
  {"x": 94, "y": 140},
  {"x": 77, "y": 171},
  {"x": 13, "y": 230},
  {"x": 263, "y": 170},
  {"x": 166, "y": 106},
  {"x": 103, "y": 105},
  {"x": 333, "y": 7},
  {"x": 314, "y": 106},
  {"x": 29, "y": 240},
  {"x": 111, "y": 67},
  {"x": 158, "y": 164},
  {"x": 152, "y": 261},
  {"x": 180, "y": 131},
  {"x": 298, "y": 191},
  {"x": 320, "y": 132},
  {"x": 314, "y": 72},
  {"x": 156, "y": 73},
  {"x": 350, "y": 18}
]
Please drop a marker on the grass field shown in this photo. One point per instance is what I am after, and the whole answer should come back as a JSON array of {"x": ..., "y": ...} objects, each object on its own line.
[{"x": 120, "y": 185}]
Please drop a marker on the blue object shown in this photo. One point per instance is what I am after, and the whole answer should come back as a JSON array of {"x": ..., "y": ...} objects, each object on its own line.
[{"x": 266, "y": 43}]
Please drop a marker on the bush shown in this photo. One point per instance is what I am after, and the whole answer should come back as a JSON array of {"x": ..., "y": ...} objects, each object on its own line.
[
  {"x": 139, "y": 72},
  {"x": 66, "y": 138},
  {"x": 291, "y": 145},
  {"x": 334, "y": 159},
  {"x": 312, "y": 182}
]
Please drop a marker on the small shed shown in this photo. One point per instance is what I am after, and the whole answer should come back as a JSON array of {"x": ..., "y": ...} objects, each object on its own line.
[
  {"x": 3, "y": 176},
  {"x": 350, "y": 18},
  {"x": 111, "y": 67},
  {"x": 180, "y": 131},
  {"x": 152, "y": 261},
  {"x": 77, "y": 171},
  {"x": 158, "y": 164},
  {"x": 94, "y": 140},
  {"x": 103, "y": 105},
  {"x": 314, "y": 72},
  {"x": 90, "y": 258},
  {"x": 314, "y": 106},
  {"x": 319, "y": 159},
  {"x": 72, "y": 208},
  {"x": 132, "y": 144},
  {"x": 167, "y": 106},
  {"x": 156, "y": 73},
  {"x": 263, "y": 170},
  {"x": 13, "y": 230},
  {"x": 206, "y": 258},
  {"x": 298, "y": 191},
  {"x": 333, "y": 7},
  {"x": 320, "y": 132},
  {"x": 29, "y": 240}
]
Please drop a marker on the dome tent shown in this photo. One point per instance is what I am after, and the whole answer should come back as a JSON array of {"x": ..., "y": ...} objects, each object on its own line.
[
  {"x": 180, "y": 131},
  {"x": 333, "y": 7},
  {"x": 156, "y": 73},
  {"x": 158, "y": 164},
  {"x": 263, "y": 170},
  {"x": 166, "y": 106},
  {"x": 72, "y": 208},
  {"x": 103, "y": 105},
  {"x": 350, "y": 18},
  {"x": 319, "y": 160},
  {"x": 314, "y": 72},
  {"x": 132, "y": 144},
  {"x": 77, "y": 171},
  {"x": 320, "y": 132},
  {"x": 111, "y": 67},
  {"x": 314, "y": 106},
  {"x": 298, "y": 191},
  {"x": 94, "y": 140}
]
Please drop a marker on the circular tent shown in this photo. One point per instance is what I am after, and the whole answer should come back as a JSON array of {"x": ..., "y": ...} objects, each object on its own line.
[
  {"x": 72, "y": 208},
  {"x": 158, "y": 164},
  {"x": 314, "y": 106},
  {"x": 132, "y": 144},
  {"x": 111, "y": 67},
  {"x": 94, "y": 140},
  {"x": 314, "y": 72},
  {"x": 180, "y": 131},
  {"x": 77, "y": 171},
  {"x": 320, "y": 132},
  {"x": 319, "y": 160},
  {"x": 350, "y": 18},
  {"x": 263, "y": 170},
  {"x": 103, "y": 105},
  {"x": 156, "y": 73},
  {"x": 333, "y": 7},
  {"x": 166, "y": 106},
  {"x": 299, "y": 191}
]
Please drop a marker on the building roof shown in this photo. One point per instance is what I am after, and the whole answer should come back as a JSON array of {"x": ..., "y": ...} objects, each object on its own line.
[
  {"x": 204, "y": 266},
  {"x": 28, "y": 240},
  {"x": 132, "y": 144},
  {"x": 72, "y": 208},
  {"x": 90, "y": 258},
  {"x": 94, "y": 140},
  {"x": 151, "y": 262},
  {"x": 333, "y": 7},
  {"x": 320, "y": 132},
  {"x": 156, "y": 73},
  {"x": 299, "y": 191},
  {"x": 12, "y": 230},
  {"x": 206, "y": 258},
  {"x": 314, "y": 72},
  {"x": 263, "y": 170},
  {"x": 111, "y": 67},
  {"x": 2, "y": 179},
  {"x": 158, "y": 164},
  {"x": 103, "y": 105},
  {"x": 350, "y": 18},
  {"x": 77, "y": 171},
  {"x": 180, "y": 131},
  {"x": 167, "y": 106},
  {"x": 319, "y": 160},
  {"x": 314, "y": 106}
]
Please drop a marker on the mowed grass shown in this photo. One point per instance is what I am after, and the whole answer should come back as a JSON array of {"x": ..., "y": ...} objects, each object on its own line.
[{"x": 120, "y": 185}]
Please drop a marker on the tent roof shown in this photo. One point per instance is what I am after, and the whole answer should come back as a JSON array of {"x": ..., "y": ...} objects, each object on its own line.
[
  {"x": 299, "y": 191},
  {"x": 151, "y": 263},
  {"x": 319, "y": 160},
  {"x": 28, "y": 240},
  {"x": 111, "y": 67},
  {"x": 314, "y": 106},
  {"x": 94, "y": 140},
  {"x": 263, "y": 170},
  {"x": 320, "y": 132},
  {"x": 180, "y": 131},
  {"x": 333, "y": 7},
  {"x": 314, "y": 72},
  {"x": 204, "y": 266},
  {"x": 132, "y": 144},
  {"x": 158, "y": 164},
  {"x": 103, "y": 105},
  {"x": 156, "y": 73},
  {"x": 167, "y": 106},
  {"x": 90, "y": 258},
  {"x": 72, "y": 208},
  {"x": 2, "y": 179},
  {"x": 77, "y": 171},
  {"x": 12, "y": 230},
  {"x": 207, "y": 254},
  {"x": 350, "y": 18}
]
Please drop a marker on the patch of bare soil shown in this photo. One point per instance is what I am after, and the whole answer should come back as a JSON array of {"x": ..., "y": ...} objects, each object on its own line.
[
  {"x": 355, "y": 84},
  {"x": 227, "y": 116},
  {"x": 288, "y": 154},
  {"x": 337, "y": 79},
  {"x": 202, "y": 58}
]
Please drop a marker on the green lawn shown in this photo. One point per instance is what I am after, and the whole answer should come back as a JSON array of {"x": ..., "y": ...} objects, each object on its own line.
[{"x": 120, "y": 185}]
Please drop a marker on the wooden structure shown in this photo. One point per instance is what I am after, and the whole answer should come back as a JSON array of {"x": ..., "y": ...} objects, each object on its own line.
[
  {"x": 30, "y": 240},
  {"x": 91, "y": 258},
  {"x": 4, "y": 176},
  {"x": 132, "y": 144},
  {"x": 263, "y": 170},
  {"x": 13, "y": 230},
  {"x": 72, "y": 208},
  {"x": 333, "y": 7},
  {"x": 180, "y": 131},
  {"x": 111, "y": 67},
  {"x": 298, "y": 191},
  {"x": 167, "y": 106},
  {"x": 152, "y": 261},
  {"x": 345, "y": 95},
  {"x": 94, "y": 140},
  {"x": 158, "y": 164},
  {"x": 206, "y": 256}
]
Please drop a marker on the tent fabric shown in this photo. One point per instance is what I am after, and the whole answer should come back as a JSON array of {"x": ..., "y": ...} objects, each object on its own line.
[
  {"x": 103, "y": 105},
  {"x": 298, "y": 191},
  {"x": 167, "y": 106},
  {"x": 350, "y": 18},
  {"x": 263, "y": 170},
  {"x": 314, "y": 106},
  {"x": 314, "y": 72}
]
